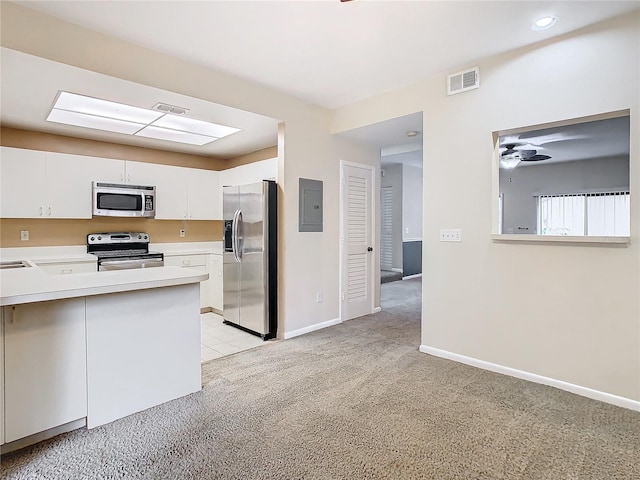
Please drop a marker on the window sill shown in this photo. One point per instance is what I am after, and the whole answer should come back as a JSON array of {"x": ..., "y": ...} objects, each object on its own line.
[{"x": 617, "y": 241}]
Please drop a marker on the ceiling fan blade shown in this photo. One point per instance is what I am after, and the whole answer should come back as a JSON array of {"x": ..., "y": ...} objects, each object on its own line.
[
  {"x": 535, "y": 158},
  {"x": 527, "y": 153}
]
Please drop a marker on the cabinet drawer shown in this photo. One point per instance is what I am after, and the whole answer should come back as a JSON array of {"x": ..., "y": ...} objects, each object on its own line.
[
  {"x": 185, "y": 260},
  {"x": 67, "y": 268}
]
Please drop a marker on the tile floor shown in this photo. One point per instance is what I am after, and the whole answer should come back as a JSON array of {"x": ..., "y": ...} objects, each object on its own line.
[{"x": 218, "y": 339}]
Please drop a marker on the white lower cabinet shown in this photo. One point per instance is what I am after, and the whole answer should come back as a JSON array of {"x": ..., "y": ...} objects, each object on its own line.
[
  {"x": 45, "y": 382},
  {"x": 197, "y": 262}
]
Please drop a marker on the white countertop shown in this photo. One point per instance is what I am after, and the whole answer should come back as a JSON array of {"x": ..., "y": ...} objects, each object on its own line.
[
  {"x": 187, "y": 248},
  {"x": 26, "y": 285}
]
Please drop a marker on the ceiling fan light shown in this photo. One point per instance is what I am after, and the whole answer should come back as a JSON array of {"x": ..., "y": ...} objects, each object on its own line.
[{"x": 510, "y": 161}]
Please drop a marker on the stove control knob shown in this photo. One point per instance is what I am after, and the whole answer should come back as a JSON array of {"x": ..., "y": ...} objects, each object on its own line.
[
  {"x": 93, "y": 238},
  {"x": 99, "y": 238},
  {"x": 146, "y": 237},
  {"x": 139, "y": 237}
]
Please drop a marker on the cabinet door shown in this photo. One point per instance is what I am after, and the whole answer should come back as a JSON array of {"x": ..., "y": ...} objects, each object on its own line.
[
  {"x": 215, "y": 279},
  {"x": 22, "y": 183},
  {"x": 197, "y": 263},
  {"x": 203, "y": 199},
  {"x": 45, "y": 366},
  {"x": 69, "y": 179},
  {"x": 171, "y": 187}
]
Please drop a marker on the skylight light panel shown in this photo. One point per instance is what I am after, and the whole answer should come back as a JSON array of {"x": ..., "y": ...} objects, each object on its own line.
[
  {"x": 191, "y": 125},
  {"x": 91, "y": 121},
  {"x": 174, "y": 135},
  {"x": 105, "y": 108}
]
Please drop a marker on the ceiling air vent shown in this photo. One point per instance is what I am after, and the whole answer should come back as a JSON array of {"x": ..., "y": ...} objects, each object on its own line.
[
  {"x": 463, "y": 81},
  {"x": 166, "y": 108}
]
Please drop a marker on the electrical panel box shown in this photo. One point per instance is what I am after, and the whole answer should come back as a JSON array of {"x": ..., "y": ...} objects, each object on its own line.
[{"x": 310, "y": 206}]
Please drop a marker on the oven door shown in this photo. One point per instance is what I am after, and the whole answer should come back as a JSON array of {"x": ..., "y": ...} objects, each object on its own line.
[{"x": 127, "y": 263}]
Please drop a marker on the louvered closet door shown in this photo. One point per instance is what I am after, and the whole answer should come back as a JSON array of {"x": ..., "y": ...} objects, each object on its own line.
[
  {"x": 358, "y": 242},
  {"x": 386, "y": 229}
]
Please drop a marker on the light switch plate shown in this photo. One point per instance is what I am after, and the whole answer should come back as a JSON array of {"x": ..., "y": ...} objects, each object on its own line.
[
  {"x": 24, "y": 235},
  {"x": 450, "y": 235}
]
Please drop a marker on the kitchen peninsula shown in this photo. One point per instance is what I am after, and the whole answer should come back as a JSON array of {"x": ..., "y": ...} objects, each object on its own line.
[{"x": 89, "y": 348}]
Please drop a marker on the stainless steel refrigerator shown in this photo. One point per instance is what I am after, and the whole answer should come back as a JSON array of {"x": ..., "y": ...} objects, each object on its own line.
[{"x": 250, "y": 258}]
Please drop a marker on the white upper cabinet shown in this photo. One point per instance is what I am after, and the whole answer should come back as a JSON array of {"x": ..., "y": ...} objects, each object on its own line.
[
  {"x": 250, "y": 173},
  {"x": 69, "y": 181},
  {"x": 36, "y": 184},
  {"x": 39, "y": 184},
  {"x": 171, "y": 187},
  {"x": 22, "y": 183},
  {"x": 202, "y": 195}
]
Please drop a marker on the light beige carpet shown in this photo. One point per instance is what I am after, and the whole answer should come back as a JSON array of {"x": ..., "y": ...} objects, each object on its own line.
[{"x": 353, "y": 401}]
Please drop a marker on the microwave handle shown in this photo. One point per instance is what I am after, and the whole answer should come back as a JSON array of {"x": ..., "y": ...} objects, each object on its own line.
[{"x": 142, "y": 211}]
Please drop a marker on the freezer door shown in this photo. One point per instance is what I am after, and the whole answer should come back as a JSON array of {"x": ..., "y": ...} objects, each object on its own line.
[
  {"x": 230, "y": 267},
  {"x": 253, "y": 272}
]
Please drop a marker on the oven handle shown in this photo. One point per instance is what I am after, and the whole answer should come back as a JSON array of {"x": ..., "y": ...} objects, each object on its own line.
[{"x": 108, "y": 265}]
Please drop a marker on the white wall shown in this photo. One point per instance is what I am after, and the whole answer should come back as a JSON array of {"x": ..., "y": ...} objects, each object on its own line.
[
  {"x": 393, "y": 178},
  {"x": 567, "y": 312},
  {"x": 521, "y": 185},
  {"x": 411, "y": 203}
]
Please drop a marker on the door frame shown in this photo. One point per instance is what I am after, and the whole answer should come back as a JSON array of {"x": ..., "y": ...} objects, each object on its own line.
[{"x": 372, "y": 209}]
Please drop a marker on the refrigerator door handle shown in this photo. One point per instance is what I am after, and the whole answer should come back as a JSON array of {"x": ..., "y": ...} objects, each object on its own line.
[
  {"x": 239, "y": 236},
  {"x": 234, "y": 236}
]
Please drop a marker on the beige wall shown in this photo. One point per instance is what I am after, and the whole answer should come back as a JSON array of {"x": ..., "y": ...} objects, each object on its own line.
[
  {"x": 18, "y": 138},
  {"x": 54, "y": 232},
  {"x": 567, "y": 312},
  {"x": 264, "y": 154}
]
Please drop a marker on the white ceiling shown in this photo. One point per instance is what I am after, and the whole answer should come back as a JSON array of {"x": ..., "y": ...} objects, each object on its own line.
[{"x": 325, "y": 52}]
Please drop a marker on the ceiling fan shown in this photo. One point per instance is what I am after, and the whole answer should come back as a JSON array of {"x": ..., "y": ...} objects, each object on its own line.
[
  {"x": 524, "y": 151},
  {"x": 525, "y": 147}
]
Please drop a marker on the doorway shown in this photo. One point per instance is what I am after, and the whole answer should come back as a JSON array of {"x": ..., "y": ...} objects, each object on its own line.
[{"x": 397, "y": 205}]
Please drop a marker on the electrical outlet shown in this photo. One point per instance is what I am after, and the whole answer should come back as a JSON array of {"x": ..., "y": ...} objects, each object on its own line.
[
  {"x": 183, "y": 232},
  {"x": 319, "y": 297},
  {"x": 450, "y": 235},
  {"x": 24, "y": 235}
]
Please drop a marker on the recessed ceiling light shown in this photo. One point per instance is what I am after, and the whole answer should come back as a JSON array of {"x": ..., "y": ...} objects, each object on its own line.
[
  {"x": 544, "y": 23},
  {"x": 98, "y": 114},
  {"x": 412, "y": 133}
]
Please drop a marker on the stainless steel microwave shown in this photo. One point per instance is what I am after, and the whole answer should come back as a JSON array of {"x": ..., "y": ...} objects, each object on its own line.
[{"x": 116, "y": 200}]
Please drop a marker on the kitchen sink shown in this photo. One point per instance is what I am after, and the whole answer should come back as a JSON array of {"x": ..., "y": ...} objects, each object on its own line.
[{"x": 14, "y": 264}]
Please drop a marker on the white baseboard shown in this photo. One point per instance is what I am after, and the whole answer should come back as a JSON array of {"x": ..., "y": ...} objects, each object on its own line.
[
  {"x": 532, "y": 377},
  {"x": 399, "y": 270},
  {"x": 409, "y": 277},
  {"x": 377, "y": 309},
  {"x": 311, "y": 328}
]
